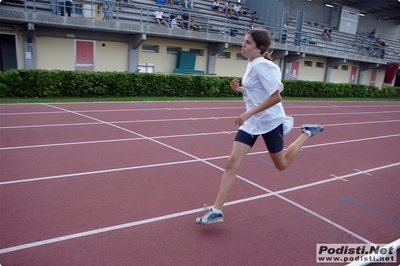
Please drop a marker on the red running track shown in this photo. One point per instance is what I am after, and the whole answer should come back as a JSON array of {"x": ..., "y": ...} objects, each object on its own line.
[{"x": 121, "y": 183}]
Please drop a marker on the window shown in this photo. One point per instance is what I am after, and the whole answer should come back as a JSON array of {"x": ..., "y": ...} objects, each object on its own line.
[
  {"x": 319, "y": 65},
  {"x": 145, "y": 67},
  {"x": 308, "y": 63},
  {"x": 239, "y": 56},
  {"x": 173, "y": 50},
  {"x": 345, "y": 67},
  {"x": 198, "y": 52},
  {"x": 224, "y": 55},
  {"x": 78, "y": 9},
  {"x": 150, "y": 48},
  {"x": 336, "y": 67}
]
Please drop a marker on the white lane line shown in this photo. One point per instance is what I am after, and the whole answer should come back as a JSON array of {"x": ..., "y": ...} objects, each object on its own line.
[
  {"x": 167, "y": 137},
  {"x": 183, "y": 213},
  {"x": 177, "y": 162},
  {"x": 189, "y": 108},
  {"x": 181, "y": 119},
  {"x": 174, "y": 136},
  {"x": 358, "y": 170},
  {"x": 95, "y": 172}
]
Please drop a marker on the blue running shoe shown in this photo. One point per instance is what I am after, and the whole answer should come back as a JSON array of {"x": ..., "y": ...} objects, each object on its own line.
[
  {"x": 312, "y": 129},
  {"x": 210, "y": 217}
]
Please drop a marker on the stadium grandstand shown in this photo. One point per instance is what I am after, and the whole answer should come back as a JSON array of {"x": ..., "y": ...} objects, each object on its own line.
[{"x": 123, "y": 35}]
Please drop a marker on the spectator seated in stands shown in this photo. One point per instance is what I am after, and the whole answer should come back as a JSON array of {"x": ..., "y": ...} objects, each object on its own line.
[
  {"x": 180, "y": 8},
  {"x": 169, "y": 2},
  {"x": 330, "y": 37},
  {"x": 195, "y": 26},
  {"x": 215, "y": 6},
  {"x": 190, "y": 2},
  {"x": 185, "y": 21},
  {"x": 237, "y": 10},
  {"x": 227, "y": 8},
  {"x": 285, "y": 30},
  {"x": 159, "y": 17},
  {"x": 253, "y": 17},
  {"x": 374, "y": 48},
  {"x": 327, "y": 35},
  {"x": 174, "y": 22},
  {"x": 373, "y": 34},
  {"x": 382, "y": 46},
  {"x": 324, "y": 35},
  {"x": 378, "y": 49}
]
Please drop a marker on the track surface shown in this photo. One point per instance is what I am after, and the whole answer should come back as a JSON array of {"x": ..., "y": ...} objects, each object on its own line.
[{"x": 121, "y": 183}]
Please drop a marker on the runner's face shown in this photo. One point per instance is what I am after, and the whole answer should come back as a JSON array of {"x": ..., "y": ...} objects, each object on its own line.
[{"x": 249, "y": 48}]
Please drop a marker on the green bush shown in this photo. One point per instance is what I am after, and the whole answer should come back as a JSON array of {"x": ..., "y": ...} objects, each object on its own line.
[{"x": 38, "y": 83}]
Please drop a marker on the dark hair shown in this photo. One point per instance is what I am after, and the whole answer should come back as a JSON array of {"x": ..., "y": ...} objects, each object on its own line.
[{"x": 262, "y": 38}]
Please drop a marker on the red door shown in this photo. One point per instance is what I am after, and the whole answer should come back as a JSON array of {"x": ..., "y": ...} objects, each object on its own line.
[
  {"x": 353, "y": 75},
  {"x": 294, "y": 70},
  {"x": 84, "y": 55}
]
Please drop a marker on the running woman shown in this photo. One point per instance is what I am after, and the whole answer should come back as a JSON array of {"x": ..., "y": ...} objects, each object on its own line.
[{"x": 265, "y": 116}]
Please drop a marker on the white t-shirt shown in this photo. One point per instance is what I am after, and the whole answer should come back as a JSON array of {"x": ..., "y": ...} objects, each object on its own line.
[
  {"x": 286, "y": 28},
  {"x": 262, "y": 79},
  {"x": 173, "y": 23},
  {"x": 237, "y": 8},
  {"x": 158, "y": 14}
]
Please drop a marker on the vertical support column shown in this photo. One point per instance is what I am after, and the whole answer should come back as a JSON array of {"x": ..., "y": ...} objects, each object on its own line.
[
  {"x": 29, "y": 38},
  {"x": 285, "y": 68},
  {"x": 328, "y": 70},
  {"x": 299, "y": 27},
  {"x": 213, "y": 50},
  {"x": 360, "y": 76},
  {"x": 133, "y": 54}
]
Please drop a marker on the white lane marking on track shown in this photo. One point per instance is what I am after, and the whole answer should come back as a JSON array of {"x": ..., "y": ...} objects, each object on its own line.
[
  {"x": 178, "y": 214},
  {"x": 171, "y": 120},
  {"x": 355, "y": 169},
  {"x": 188, "y": 108},
  {"x": 178, "y": 136},
  {"x": 179, "y": 162}
]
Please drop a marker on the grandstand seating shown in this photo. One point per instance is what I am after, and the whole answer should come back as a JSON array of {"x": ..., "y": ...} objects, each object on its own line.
[{"x": 141, "y": 12}]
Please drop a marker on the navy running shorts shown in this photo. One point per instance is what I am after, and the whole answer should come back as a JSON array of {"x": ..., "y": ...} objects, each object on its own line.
[{"x": 273, "y": 139}]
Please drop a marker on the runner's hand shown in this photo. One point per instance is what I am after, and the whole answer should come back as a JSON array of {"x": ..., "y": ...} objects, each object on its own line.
[
  {"x": 235, "y": 85},
  {"x": 241, "y": 118}
]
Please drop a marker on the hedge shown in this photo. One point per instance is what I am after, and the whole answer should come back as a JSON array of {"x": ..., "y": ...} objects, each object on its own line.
[{"x": 58, "y": 83}]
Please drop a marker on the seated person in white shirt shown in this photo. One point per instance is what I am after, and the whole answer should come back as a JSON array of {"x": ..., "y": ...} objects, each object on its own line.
[
  {"x": 216, "y": 6},
  {"x": 174, "y": 23},
  {"x": 237, "y": 10},
  {"x": 159, "y": 17}
]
